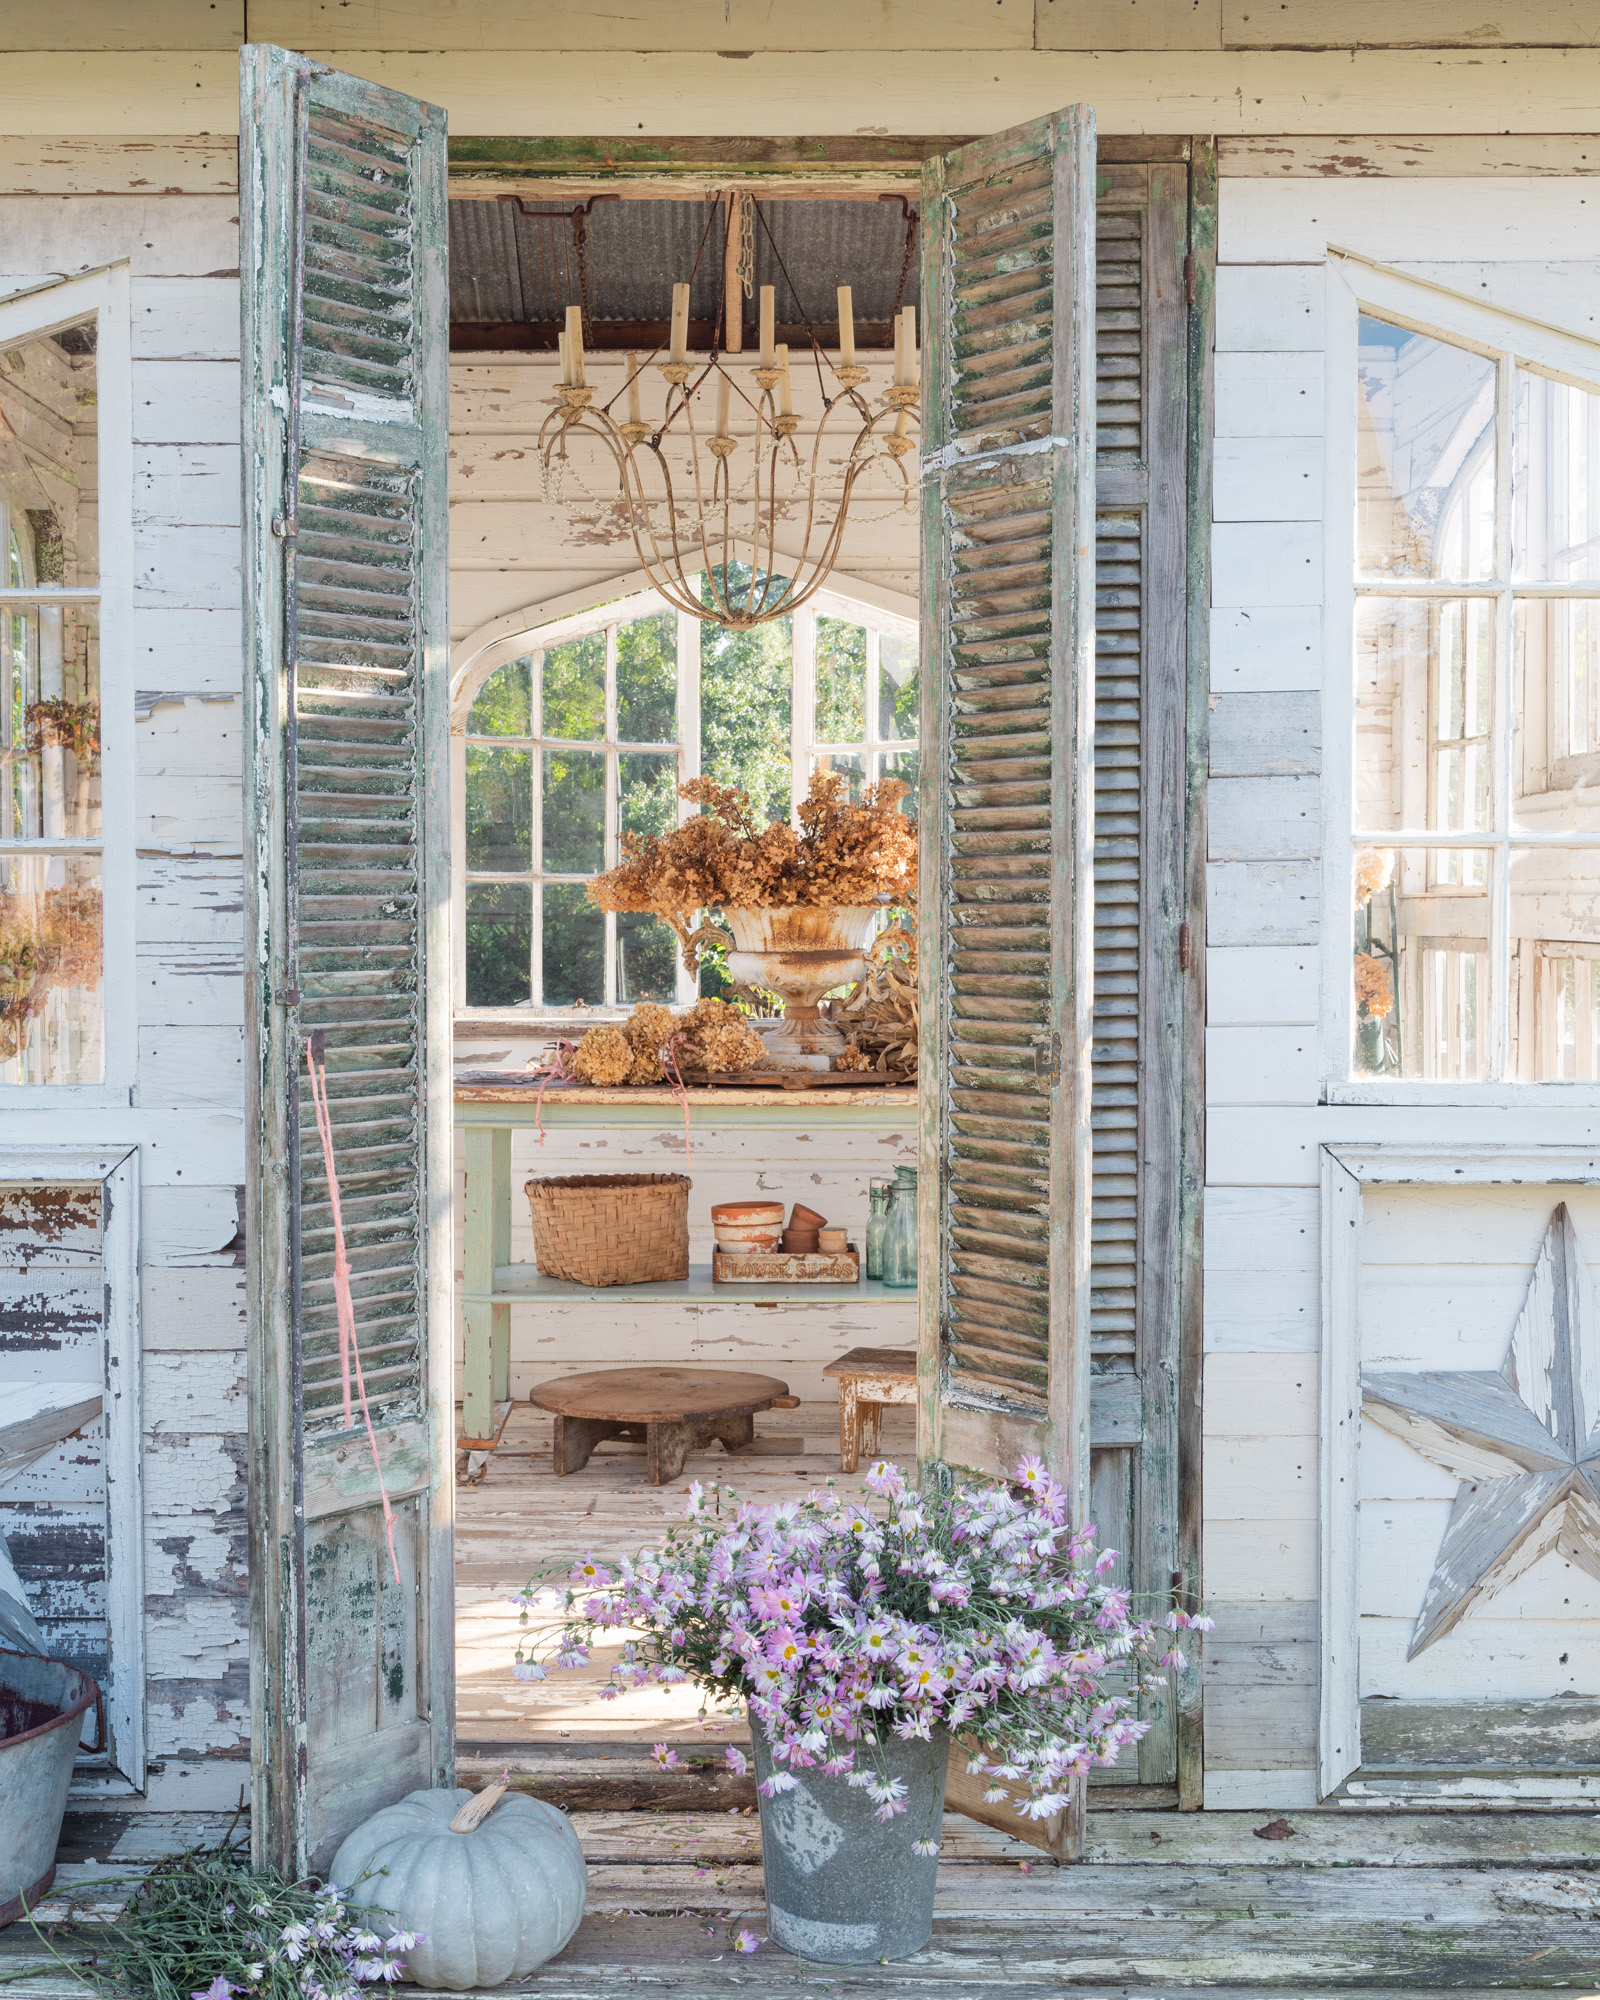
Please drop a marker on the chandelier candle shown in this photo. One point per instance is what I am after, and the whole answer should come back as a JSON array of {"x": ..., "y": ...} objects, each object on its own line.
[
  {"x": 768, "y": 315},
  {"x": 635, "y": 415},
  {"x": 785, "y": 400},
  {"x": 573, "y": 374},
  {"x": 680, "y": 324},
  {"x": 847, "y": 330}
]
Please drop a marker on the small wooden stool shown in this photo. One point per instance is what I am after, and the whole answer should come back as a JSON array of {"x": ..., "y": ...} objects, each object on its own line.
[
  {"x": 869, "y": 1379},
  {"x": 675, "y": 1411}
]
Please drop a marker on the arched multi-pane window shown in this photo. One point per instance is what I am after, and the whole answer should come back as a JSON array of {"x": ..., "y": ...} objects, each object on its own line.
[{"x": 572, "y": 734}]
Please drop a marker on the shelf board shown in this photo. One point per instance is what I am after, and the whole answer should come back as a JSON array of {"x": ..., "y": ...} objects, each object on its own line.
[{"x": 520, "y": 1284}]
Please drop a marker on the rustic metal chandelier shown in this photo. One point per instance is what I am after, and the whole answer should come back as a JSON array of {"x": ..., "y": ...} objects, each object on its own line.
[{"x": 704, "y": 503}]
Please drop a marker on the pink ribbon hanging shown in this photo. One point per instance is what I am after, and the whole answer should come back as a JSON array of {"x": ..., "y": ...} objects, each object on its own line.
[{"x": 349, "y": 1351}]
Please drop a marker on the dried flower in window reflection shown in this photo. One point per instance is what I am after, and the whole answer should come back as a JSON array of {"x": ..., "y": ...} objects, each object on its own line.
[
  {"x": 1374, "y": 989},
  {"x": 48, "y": 940},
  {"x": 1374, "y": 871}
]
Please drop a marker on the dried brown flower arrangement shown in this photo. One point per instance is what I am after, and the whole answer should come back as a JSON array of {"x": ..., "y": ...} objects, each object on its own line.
[
  {"x": 1374, "y": 989},
  {"x": 843, "y": 854},
  {"x": 654, "y": 1045}
]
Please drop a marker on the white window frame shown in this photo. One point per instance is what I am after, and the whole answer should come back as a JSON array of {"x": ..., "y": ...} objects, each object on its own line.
[
  {"x": 105, "y": 295},
  {"x": 1357, "y": 285},
  {"x": 621, "y": 601},
  {"x": 121, "y": 1768}
]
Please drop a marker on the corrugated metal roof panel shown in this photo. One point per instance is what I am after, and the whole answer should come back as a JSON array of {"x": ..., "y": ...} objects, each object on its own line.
[{"x": 509, "y": 265}]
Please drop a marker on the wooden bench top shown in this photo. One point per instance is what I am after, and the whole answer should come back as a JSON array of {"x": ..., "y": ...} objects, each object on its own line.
[{"x": 875, "y": 1361}]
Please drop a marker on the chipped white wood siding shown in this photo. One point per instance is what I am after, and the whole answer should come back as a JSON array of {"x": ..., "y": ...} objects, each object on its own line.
[{"x": 183, "y": 1111}]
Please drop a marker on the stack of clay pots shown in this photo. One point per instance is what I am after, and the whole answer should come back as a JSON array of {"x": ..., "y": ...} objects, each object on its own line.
[{"x": 803, "y": 1236}]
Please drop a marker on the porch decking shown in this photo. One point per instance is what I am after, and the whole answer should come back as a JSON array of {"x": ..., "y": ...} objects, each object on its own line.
[
  {"x": 1363, "y": 1905},
  {"x": 520, "y": 1518}
]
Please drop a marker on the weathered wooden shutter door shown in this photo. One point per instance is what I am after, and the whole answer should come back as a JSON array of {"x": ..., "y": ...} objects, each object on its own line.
[
  {"x": 1007, "y": 795},
  {"x": 1142, "y": 996},
  {"x": 345, "y": 328}
]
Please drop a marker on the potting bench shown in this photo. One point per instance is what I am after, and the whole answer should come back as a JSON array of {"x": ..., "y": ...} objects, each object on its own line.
[{"x": 486, "y": 1116}]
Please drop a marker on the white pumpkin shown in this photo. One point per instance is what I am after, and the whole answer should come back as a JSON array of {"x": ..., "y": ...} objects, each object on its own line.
[{"x": 491, "y": 1904}]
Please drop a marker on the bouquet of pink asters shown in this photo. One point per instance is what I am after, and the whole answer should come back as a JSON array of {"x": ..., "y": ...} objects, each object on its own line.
[{"x": 975, "y": 1610}]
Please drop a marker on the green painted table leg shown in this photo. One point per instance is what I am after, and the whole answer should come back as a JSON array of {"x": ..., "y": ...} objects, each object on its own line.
[
  {"x": 500, "y": 1329},
  {"x": 478, "y": 1248}
]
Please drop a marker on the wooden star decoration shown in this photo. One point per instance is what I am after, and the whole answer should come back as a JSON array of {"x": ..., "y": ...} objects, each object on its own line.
[{"x": 1524, "y": 1442}]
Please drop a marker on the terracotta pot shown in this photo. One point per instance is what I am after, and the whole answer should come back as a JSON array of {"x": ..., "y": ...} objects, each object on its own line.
[
  {"x": 802, "y": 954},
  {"x": 747, "y": 1225},
  {"x": 801, "y": 1217}
]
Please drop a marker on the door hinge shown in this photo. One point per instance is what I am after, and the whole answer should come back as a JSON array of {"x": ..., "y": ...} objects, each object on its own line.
[
  {"x": 1190, "y": 279},
  {"x": 289, "y": 997},
  {"x": 1184, "y": 952},
  {"x": 1047, "y": 1059},
  {"x": 284, "y": 529}
]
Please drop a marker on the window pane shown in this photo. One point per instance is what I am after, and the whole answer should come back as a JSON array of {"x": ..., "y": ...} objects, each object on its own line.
[
  {"x": 745, "y": 680},
  {"x": 574, "y": 947},
  {"x": 50, "y": 724},
  {"x": 574, "y": 812},
  {"x": 1555, "y": 501},
  {"x": 573, "y": 690},
  {"x": 1424, "y": 456},
  {"x": 647, "y": 792},
  {"x": 647, "y": 680},
  {"x": 904, "y": 765},
  {"x": 48, "y": 458},
  {"x": 499, "y": 944},
  {"x": 1556, "y": 741},
  {"x": 847, "y": 764},
  {"x": 1420, "y": 968},
  {"x": 1424, "y": 702},
  {"x": 51, "y": 1012},
  {"x": 499, "y": 809},
  {"x": 646, "y": 959},
  {"x": 504, "y": 703},
  {"x": 897, "y": 688},
  {"x": 841, "y": 673},
  {"x": 1555, "y": 938}
]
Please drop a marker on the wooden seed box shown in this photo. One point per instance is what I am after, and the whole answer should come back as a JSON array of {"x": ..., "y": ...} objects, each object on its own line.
[{"x": 766, "y": 1267}]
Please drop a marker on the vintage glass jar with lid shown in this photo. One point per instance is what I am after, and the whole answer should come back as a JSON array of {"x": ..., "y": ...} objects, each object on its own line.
[
  {"x": 877, "y": 1223},
  {"x": 900, "y": 1236}
]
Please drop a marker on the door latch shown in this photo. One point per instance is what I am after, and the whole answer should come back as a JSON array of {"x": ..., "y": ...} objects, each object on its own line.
[{"x": 1047, "y": 1059}]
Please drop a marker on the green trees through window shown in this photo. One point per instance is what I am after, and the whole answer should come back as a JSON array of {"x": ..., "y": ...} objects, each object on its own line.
[{"x": 574, "y": 743}]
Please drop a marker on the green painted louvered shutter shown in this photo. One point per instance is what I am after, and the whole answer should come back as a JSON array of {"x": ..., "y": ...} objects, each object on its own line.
[
  {"x": 1007, "y": 795},
  {"x": 345, "y": 331},
  {"x": 1143, "y": 1000}
]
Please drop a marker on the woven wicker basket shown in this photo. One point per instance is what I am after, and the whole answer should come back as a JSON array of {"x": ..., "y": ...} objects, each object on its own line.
[{"x": 611, "y": 1229}]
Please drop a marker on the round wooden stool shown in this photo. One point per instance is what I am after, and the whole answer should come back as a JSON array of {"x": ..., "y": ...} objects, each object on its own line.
[{"x": 675, "y": 1411}]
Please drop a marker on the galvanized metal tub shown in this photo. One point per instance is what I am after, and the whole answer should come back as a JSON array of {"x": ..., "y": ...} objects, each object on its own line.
[
  {"x": 843, "y": 1887},
  {"x": 42, "y": 1706}
]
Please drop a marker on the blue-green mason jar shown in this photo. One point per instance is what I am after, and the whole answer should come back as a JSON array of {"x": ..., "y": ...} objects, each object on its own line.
[
  {"x": 877, "y": 1223},
  {"x": 900, "y": 1237}
]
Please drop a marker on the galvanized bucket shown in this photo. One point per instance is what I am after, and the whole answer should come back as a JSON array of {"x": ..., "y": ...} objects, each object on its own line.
[
  {"x": 42, "y": 1706},
  {"x": 842, "y": 1887}
]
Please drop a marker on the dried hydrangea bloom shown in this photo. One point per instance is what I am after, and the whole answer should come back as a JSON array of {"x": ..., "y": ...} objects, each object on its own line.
[
  {"x": 649, "y": 1027},
  {"x": 604, "y": 1057},
  {"x": 842, "y": 854},
  {"x": 717, "y": 1039},
  {"x": 852, "y": 1059},
  {"x": 1374, "y": 993}
]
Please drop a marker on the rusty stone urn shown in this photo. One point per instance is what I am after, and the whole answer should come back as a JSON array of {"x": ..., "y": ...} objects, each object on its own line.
[{"x": 801, "y": 954}]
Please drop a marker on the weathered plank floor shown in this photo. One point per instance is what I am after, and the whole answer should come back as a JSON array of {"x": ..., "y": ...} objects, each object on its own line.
[
  {"x": 520, "y": 1518},
  {"x": 1504, "y": 1903}
]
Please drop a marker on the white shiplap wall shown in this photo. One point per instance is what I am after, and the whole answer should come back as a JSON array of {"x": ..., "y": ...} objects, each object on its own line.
[{"x": 1444, "y": 1272}]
